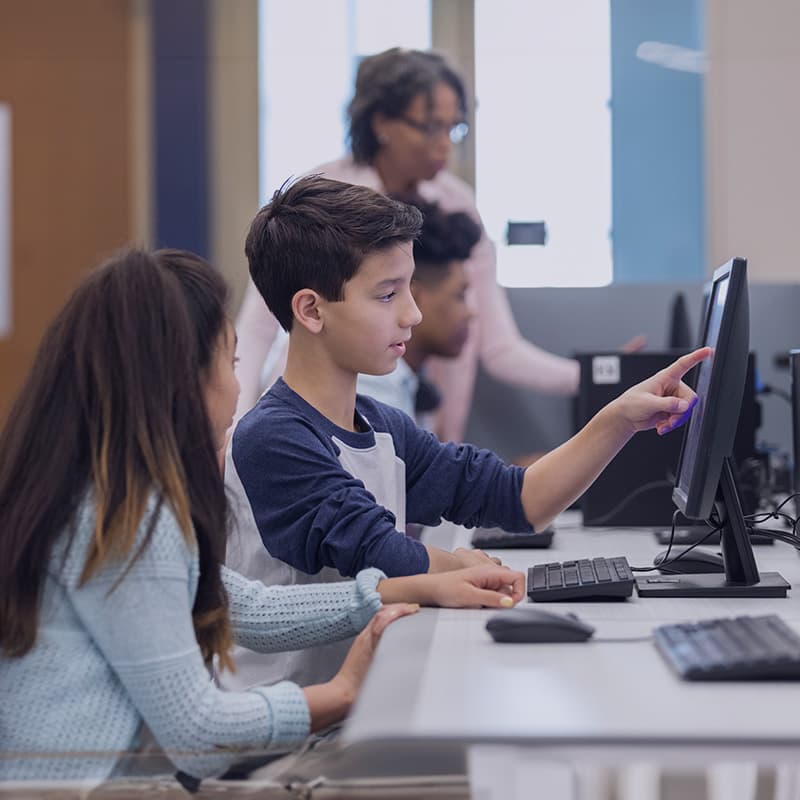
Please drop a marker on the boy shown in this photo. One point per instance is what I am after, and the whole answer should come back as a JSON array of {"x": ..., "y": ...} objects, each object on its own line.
[
  {"x": 331, "y": 476},
  {"x": 439, "y": 288}
]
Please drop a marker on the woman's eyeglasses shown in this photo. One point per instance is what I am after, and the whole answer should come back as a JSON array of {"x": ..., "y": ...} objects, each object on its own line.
[{"x": 456, "y": 133}]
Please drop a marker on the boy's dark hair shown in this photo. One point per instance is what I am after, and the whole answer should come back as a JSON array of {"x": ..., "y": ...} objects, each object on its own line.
[
  {"x": 444, "y": 238},
  {"x": 387, "y": 82},
  {"x": 315, "y": 233}
]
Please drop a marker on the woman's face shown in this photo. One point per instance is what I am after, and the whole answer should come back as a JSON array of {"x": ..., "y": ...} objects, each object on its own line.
[
  {"x": 417, "y": 144},
  {"x": 221, "y": 387}
]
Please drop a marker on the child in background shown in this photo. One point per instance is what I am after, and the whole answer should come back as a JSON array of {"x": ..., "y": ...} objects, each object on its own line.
[{"x": 439, "y": 288}]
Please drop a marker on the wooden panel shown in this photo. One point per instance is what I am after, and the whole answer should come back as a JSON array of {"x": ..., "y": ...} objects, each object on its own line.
[{"x": 64, "y": 70}]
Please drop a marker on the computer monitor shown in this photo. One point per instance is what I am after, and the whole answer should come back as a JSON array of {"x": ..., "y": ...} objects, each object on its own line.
[
  {"x": 679, "y": 332},
  {"x": 704, "y": 300},
  {"x": 705, "y": 486},
  {"x": 794, "y": 365}
]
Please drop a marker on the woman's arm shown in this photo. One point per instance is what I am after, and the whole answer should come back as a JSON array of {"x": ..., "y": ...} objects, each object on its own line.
[
  {"x": 504, "y": 352},
  {"x": 256, "y": 329},
  {"x": 495, "y": 340}
]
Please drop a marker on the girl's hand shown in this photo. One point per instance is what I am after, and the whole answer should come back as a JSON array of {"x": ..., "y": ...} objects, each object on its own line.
[
  {"x": 330, "y": 702},
  {"x": 354, "y": 669}
]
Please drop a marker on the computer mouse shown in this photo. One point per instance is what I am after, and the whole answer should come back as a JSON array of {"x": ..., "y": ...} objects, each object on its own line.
[
  {"x": 529, "y": 624},
  {"x": 695, "y": 561}
]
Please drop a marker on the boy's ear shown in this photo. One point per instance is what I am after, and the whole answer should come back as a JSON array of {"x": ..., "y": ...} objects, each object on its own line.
[{"x": 305, "y": 307}]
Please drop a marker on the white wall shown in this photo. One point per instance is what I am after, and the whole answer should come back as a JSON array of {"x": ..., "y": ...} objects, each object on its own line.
[{"x": 753, "y": 135}]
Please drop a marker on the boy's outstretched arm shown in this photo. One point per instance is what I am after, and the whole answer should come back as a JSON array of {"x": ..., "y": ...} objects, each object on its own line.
[
  {"x": 460, "y": 558},
  {"x": 662, "y": 402}
]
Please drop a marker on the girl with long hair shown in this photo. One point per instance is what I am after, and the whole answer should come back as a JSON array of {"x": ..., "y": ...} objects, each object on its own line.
[{"x": 113, "y": 521}]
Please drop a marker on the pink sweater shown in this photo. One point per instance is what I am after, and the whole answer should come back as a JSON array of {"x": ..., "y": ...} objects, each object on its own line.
[{"x": 494, "y": 339}]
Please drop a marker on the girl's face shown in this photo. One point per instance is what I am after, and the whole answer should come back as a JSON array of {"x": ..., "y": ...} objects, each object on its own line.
[{"x": 221, "y": 386}]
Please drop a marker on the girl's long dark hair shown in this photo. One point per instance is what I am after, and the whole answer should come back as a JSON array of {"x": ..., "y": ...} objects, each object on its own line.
[{"x": 114, "y": 404}]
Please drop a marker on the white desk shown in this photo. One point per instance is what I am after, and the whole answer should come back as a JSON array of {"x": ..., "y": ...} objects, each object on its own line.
[{"x": 438, "y": 679}]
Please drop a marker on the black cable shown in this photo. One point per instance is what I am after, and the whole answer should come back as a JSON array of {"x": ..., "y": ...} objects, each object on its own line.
[
  {"x": 776, "y": 513},
  {"x": 766, "y": 388},
  {"x": 645, "y": 487},
  {"x": 784, "y": 502},
  {"x": 790, "y": 521},
  {"x": 672, "y": 533},
  {"x": 664, "y": 565},
  {"x": 619, "y": 639},
  {"x": 781, "y": 536}
]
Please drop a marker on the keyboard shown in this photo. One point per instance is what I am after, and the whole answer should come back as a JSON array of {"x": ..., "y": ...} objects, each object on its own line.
[
  {"x": 739, "y": 649},
  {"x": 493, "y": 538},
  {"x": 585, "y": 579}
]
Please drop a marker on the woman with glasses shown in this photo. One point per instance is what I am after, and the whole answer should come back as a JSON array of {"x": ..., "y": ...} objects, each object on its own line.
[{"x": 408, "y": 110}]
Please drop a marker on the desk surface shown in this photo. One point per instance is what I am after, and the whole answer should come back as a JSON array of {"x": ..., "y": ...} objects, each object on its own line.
[{"x": 438, "y": 677}]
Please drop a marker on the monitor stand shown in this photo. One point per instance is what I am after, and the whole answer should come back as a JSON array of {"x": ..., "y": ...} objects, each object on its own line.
[{"x": 741, "y": 578}]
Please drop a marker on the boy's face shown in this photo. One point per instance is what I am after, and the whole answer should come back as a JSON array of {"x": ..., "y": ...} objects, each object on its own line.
[
  {"x": 367, "y": 330},
  {"x": 446, "y": 313}
]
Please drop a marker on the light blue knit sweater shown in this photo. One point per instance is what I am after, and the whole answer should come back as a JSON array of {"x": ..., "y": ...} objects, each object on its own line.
[{"x": 105, "y": 661}]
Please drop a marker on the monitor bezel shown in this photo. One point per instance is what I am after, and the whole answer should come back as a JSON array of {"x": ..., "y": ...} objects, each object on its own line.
[
  {"x": 794, "y": 368},
  {"x": 712, "y": 483},
  {"x": 717, "y": 430}
]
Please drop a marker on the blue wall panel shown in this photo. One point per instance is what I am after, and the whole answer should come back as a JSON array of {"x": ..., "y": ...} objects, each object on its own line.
[
  {"x": 181, "y": 140},
  {"x": 658, "y": 207}
]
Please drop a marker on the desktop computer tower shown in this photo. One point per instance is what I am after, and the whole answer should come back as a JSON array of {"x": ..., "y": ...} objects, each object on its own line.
[{"x": 635, "y": 489}]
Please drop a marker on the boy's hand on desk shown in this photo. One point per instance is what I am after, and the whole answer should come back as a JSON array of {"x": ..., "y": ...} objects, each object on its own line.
[
  {"x": 474, "y": 558},
  {"x": 489, "y": 586},
  {"x": 663, "y": 402}
]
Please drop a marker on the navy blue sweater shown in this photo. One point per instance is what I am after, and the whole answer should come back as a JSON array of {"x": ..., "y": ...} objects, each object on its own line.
[{"x": 307, "y": 482}]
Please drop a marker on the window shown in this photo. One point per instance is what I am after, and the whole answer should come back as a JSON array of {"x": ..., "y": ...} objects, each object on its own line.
[
  {"x": 543, "y": 149},
  {"x": 308, "y": 53}
]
